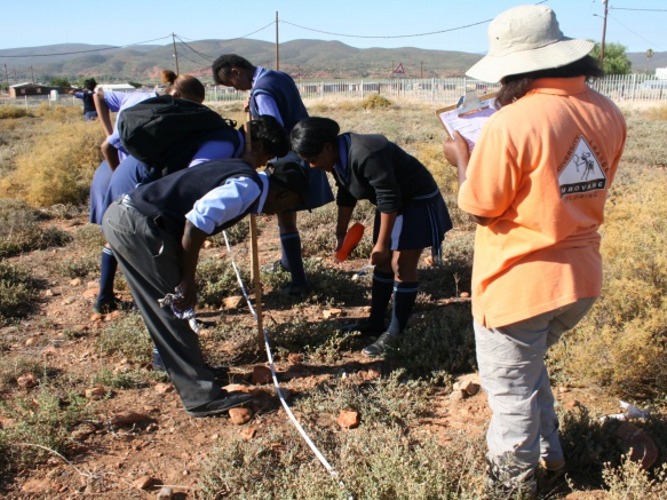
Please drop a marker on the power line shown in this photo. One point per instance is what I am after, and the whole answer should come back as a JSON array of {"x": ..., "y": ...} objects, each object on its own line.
[
  {"x": 637, "y": 34},
  {"x": 646, "y": 10},
  {"x": 392, "y": 36},
  {"x": 198, "y": 63},
  {"x": 88, "y": 50},
  {"x": 200, "y": 54},
  {"x": 244, "y": 36}
]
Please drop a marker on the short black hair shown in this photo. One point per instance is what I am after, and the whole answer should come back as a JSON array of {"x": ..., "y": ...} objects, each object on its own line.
[
  {"x": 90, "y": 84},
  {"x": 224, "y": 64},
  {"x": 309, "y": 136},
  {"x": 290, "y": 176},
  {"x": 271, "y": 133}
]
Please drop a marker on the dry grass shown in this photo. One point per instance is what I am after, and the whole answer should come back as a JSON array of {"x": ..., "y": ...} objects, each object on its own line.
[
  {"x": 620, "y": 346},
  {"x": 60, "y": 163}
]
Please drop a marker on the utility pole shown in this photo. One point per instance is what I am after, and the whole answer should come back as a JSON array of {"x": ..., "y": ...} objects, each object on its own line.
[
  {"x": 33, "y": 75},
  {"x": 173, "y": 40},
  {"x": 604, "y": 32},
  {"x": 7, "y": 76},
  {"x": 277, "y": 45}
]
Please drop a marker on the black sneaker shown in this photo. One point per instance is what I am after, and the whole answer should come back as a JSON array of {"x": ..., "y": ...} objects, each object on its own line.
[
  {"x": 365, "y": 328},
  {"x": 220, "y": 404},
  {"x": 293, "y": 290},
  {"x": 379, "y": 347},
  {"x": 105, "y": 307}
]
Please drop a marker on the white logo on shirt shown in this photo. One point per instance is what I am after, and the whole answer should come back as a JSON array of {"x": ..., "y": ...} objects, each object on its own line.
[{"x": 582, "y": 173}]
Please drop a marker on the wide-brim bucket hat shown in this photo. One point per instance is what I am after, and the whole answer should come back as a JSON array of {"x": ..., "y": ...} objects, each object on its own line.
[{"x": 524, "y": 39}]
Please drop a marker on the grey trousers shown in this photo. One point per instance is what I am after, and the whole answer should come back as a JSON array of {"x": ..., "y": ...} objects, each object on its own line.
[
  {"x": 524, "y": 425},
  {"x": 150, "y": 260}
]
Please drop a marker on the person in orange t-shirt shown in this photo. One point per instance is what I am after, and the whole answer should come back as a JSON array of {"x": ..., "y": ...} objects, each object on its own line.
[{"x": 536, "y": 184}]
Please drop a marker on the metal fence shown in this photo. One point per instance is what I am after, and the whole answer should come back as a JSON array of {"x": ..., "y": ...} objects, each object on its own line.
[{"x": 442, "y": 91}]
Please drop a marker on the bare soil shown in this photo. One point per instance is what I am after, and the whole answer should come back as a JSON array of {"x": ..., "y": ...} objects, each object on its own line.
[{"x": 110, "y": 459}]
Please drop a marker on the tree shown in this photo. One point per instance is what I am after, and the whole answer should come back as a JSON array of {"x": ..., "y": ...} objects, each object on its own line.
[
  {"x": 649, "y": 56},
  {"x": 616, "y": 61},
  {"x": 56, "y": 81}
]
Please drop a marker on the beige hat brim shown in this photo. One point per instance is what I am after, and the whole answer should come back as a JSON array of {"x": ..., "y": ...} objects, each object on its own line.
[{"x": 494, "y": 68}]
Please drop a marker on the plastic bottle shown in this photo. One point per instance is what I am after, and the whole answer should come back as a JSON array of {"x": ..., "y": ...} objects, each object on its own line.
[{"x": 352, "y": 238}]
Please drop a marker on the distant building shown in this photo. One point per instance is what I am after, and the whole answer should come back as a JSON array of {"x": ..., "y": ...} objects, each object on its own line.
[
  {"x": 661, "y": 73},
  {"x": 31, "y": 89}
]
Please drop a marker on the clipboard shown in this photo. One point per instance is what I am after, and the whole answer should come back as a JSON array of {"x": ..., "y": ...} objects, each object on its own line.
[{"x": 467, "y": 117}]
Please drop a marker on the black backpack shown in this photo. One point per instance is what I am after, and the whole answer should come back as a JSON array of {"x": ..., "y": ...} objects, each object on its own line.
[{"x": 165, "y": 132}]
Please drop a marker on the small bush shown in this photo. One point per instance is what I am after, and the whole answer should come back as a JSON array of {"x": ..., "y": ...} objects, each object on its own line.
[
  {"x": 21, "y": 232},
  {"x": 236, "y": 234},
  {"x": 58, "y": 168},
  {"x": 44, "y": 420},
  {"x": 379, "y": 459},
  {"x": 13, "y": 112},
  {"x": 439, "y": 340},
  {"x": 17, "y": 290},
  {"x": 629, "y": 481},
  {"x": 216, "y": 280},
  {"x": 621, "y": 343},
  {"x": 126, "y": 337},
  {"x": 376, "y": 101}
]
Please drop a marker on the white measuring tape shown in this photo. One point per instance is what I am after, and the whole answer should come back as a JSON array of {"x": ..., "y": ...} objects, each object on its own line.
[{"x": 269, "y": 356}]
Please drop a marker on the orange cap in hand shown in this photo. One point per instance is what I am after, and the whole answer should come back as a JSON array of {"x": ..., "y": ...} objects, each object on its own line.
[{"x": 351, "y": 240}]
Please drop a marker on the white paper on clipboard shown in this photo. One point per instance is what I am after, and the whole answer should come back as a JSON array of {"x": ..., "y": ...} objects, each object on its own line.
[{"x": 469, "y": 124}]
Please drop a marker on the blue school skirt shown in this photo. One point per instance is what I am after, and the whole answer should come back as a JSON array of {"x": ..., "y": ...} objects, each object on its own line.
[
  {"x": 129, "y": 174},
  {"x": 98, "y": 191},
  {"x": 422, "y": 222}
]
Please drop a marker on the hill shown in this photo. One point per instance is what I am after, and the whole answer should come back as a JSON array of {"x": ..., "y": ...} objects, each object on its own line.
[
  {"x": 304, "y": 58},
  {"x": 301, "y": 58}
]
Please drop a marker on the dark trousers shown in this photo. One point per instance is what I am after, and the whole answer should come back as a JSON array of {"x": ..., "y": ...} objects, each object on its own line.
[{"x": 150, "y": 260}]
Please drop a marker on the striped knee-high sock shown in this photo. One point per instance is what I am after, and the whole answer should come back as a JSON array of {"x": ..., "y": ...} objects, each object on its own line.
[
  {"x": 381, "y": 292},
  {"x": 108, "y": 267},
  {"x": 405, "y": 294}
]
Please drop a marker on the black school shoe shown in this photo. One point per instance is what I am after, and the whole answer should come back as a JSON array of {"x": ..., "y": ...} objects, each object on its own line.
[
  {"x": 219, "y": 372},
  {"x": 380, "y": 346},
  {"x": 365, "y": 328},
  {"x": 220, "y": 404},
  {"x": 293, "y": 290},
  {"x": 105, "y": 307}
]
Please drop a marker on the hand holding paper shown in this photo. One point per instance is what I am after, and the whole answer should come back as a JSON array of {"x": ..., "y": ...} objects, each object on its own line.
[{"x": 469, "y": 119}]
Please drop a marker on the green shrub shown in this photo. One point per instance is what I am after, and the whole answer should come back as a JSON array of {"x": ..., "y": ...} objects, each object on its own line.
[
  {"x": 216, "y": 280},
  {"x": 44, "y": 421},
  {"x": 629, "y": 481},
  {"x": 381, "y": 458},
  {"x": 126, "y": 337},
  {"x": 17, "y": 291},
  {"x": 21, "y": 231}
]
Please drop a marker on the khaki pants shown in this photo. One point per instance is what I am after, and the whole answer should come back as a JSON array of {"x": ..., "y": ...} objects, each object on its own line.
[{"x": 524, "y": 425}]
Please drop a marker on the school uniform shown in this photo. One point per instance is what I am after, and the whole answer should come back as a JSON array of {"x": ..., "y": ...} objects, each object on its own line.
[
  {"x": 132, "y": 173},
  {"x": 144, "y": 229},
  {"x": 89, "y": 111},
  {"x": 116, "y": 102},
  {"x": 373, "y": 168},
  {"x": 275, "y": 93}
]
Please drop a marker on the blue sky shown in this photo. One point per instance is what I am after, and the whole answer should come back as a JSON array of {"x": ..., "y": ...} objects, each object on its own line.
[{"x": 636, "y": 24}]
